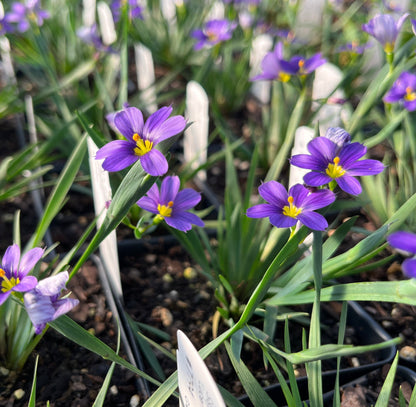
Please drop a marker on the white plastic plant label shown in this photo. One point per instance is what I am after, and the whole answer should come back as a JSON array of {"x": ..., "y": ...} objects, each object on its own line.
[
  {"x": 101, "y": 190},
  {"x": 145, "y": 76},
  {"x": 196, "y": 136},
  {"x": 197, "y": 388}
]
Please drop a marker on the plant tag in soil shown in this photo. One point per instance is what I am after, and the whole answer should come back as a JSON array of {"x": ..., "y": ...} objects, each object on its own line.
[{"x": 196, "y": 385}]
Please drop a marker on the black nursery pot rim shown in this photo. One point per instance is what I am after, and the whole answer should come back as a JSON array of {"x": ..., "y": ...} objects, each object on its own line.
[{"x": 372, "y": 333}]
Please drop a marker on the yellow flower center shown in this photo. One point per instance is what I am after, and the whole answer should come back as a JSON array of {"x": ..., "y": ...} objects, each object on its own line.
[
  {"x": 389, "y": 47},
  {"x": 283, "y": 77},
  {"x": 291, "y": 210},
  {"x": 211, "y": 35},
  {"x": 165, "y": 211},
  {"x": 409, "y": 96},
  {"x": 301, "y": 65},
  {"x": 334, "y": 170},
  {"x": 142, "y": 146},
  {"x": 6, "y": 284}
]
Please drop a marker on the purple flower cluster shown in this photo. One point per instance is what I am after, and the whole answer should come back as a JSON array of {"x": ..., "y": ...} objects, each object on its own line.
[
  {"x": 172, "y": 205},
  {"x": 403, "y": 91},
  {"x": 405, "y": 241},
  {"x": 142, "y": 139},
  {"x": 22, "y": 15},
  {"x": 41, "y": 299},
  {"x": 274, "y": 67},
  {"x": 214, "y": 32}
]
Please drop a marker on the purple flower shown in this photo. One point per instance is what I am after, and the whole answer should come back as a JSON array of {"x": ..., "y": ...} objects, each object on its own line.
[
  {"x": 403, "y": 91},
  {"x": 135, "y": 10},
  {"x": 385, "y": 30},
  {"x": 24, "y": 13},
  {"x": 330, "y": 162},
  {"x": 171, "y": 205},
  {"x": 274, "y": 67},
  {"x": 90, "y": 36},
  {"x": 142, "y": 139},
  {"x": 214, "y": 32},
  {"x": 5, "y": 26},
  {"x": 43, "y": 304},
  {"x": 405, "y": 241},
  {"x": 338, "y": 135},
  {"x": 14, "y": 270},
  {"x": 354, "y": 47},
  {"x": 305, "y": 66},
  {"x": 285, "y": 209}
]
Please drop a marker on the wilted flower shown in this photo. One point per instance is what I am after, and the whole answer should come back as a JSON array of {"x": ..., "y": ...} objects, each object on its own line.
[
  {"x": 385, "y": 30},
  {"x": 403, "y": 91},
  {"x": 135, "y": 9},
  {"x": 172, "y": 205},
  {"x": 142, "y": 139},
  {"x": 14, "y": 270},
  {"x": 284, "y": 208},
  {"x": 339, "y": 136},
  {"x": 405, "y": 241},
  {"x": 330, "y": 162},
  {"x": 43, "y": 304},
  {"x": 24, "y": 13},
  {"x": 214, "y": 32},
  {"x": 274, "y": 67}
]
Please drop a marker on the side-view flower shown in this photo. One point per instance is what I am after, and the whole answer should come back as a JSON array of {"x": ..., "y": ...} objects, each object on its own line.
[
  {"x": 14, "y": 271},
  {"x": 43, "y": 304},
  {"x": 403, "y": 91},
  {"x": 284, "y": 208},
  {"x": 142, "y": 139},
  {"x": 214, "y": 32},
  {"x": 330, "y": 162},
  {"x": 172, "y": 205},
  {"x": 405, "y": 241},
  {"x": 385, "y": 30}
]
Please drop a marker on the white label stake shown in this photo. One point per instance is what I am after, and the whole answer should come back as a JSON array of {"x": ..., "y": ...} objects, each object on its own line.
[{"x": 196, "y": 385}]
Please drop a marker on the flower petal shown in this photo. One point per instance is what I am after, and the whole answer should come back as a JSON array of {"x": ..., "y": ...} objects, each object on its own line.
[
  {"x": 323, "y": 149},
  {"x": 262, "y": 211},
  {"x": 409, "y": 267},
  {"x": 27, "y": 283},
  {"x": 309, "y": 162},
  {"x": 119, "y": 155},
  {"x": 316, "y": 179},
  {"x": 299, "y": 193},
  {"x": 350, "y": 153},
  {"x": 129, "y": 121},
  {"x": 4, "y": 296},
  {"x": 317, "y": 200},
  {"x": 274, "y": 193},
  {"x": 29, "y": 260},
  {"x": 63, "y": 306},
  {"x": 172, "y": 126},
  {"x": 403, "y": 241},
  {"x": 53, "y": 285},
  {"x": 313, "y": 220},
  {"x": 282, "y": 221},
  {"x": 10, "y": 261},
  {"x": 183, "y": 221},
  {"x": 148, "y": 204},
  {"x": 186, "y": 199},
  {"x": 154, "y": 163},
  {"x": 155, "y": 121},
  {"x": 366, "y": 167},
  {"x": 169, "y": 189},
  {"x": 349, "y": 184}
]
